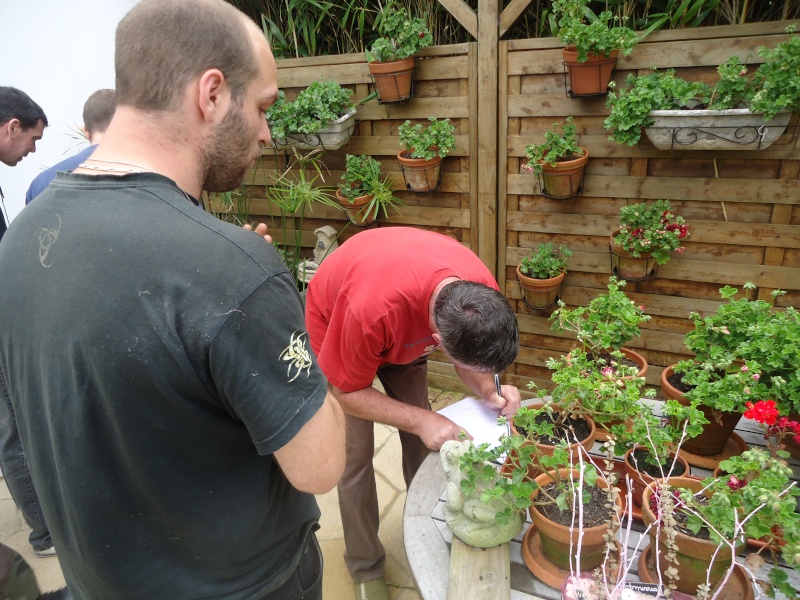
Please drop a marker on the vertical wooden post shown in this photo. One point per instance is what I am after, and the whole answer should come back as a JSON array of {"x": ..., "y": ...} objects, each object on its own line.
[{"x": 488, "y": 37}]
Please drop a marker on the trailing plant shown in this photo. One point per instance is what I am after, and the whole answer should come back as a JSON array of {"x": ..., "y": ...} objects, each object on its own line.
[
  {"x": 362, "y": 177},
  {"x": 544, "y": 262},
  {"x": 557, "y": 147},
  {"x": 598, "y": 37},
  {"x": 401, "y": 35},
  {"x": 776, "y": 79},
  {"x": 437, "y": 139},
  {"x": 295, "y": 190},
  {"x": 651, "y": 229},
  {"x": 607, "y": 323},
  {"x": 317, "y": 106}
]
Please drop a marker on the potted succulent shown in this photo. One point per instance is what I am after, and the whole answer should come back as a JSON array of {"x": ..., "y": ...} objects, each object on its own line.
[
  {"x": 605, "y": 325},
  {"x": 647, "y": 236},
  {"x": 425, "y": 147},
  {"x": 742, "y": 111},
  {"x": 541, "y": 275},
  {"x": 362, "y": 193},
  {"x": 322, "y": 116},
  {"x": 391, "y": 57},
  {"x": 591, "y": 48},
  {"x": 559, "y": 161}
]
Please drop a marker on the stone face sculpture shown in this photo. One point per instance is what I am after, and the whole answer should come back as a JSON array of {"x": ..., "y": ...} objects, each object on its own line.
[
  {"x": 471, "y": 520},
  {"x": 326, "y": 242}
]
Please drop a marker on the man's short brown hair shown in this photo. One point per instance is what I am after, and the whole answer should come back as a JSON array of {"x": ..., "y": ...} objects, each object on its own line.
[
  {"x": 162, "y": 45},
  {"x": 98, "y": 111}
]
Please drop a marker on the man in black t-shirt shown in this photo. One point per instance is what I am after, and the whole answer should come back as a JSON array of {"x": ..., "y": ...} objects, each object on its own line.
[{"x": 157, "y": 357}]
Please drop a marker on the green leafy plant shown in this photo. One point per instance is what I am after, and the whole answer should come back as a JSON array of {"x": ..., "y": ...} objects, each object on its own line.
[
  {"x": 607, "y": 393},
  {"x": 294, "y": 191},
  {"x": 776, "y": 79},
  {"x": 544, "y": 262},
  {"x": 771, "y": 89},
  {"x": 597, "y": 37},
  {"x": 362, "y": 177},
  {"x": 607, "y": 323},
  {"x": 745, "y": 350},
  {"x": 651, "y": 229},
  {"x": 317, "y": 106},
  {"x": 556, "y": 147},
  {"x": 401, "y": 35},
  {"x": 437, "y": 139}
]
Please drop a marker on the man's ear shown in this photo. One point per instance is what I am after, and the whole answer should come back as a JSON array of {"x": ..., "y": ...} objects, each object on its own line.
[
  {"x": 86, "y": 133},
  {"x": 12, "y": 126},
  {"x": 213, "y": 95}
]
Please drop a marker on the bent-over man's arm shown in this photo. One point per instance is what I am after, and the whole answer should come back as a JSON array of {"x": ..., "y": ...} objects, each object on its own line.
[
  {"x": 324, "y": 434},
  {"x": 370, "y": 404}
]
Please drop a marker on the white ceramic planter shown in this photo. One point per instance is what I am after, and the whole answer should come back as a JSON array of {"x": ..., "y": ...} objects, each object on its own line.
[
  {"x": 730, "y": 129},
  {"x": 332, "y": 137}
]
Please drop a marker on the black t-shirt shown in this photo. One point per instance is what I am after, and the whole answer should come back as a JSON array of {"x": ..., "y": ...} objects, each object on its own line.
[{"x": 156, "y": 358}]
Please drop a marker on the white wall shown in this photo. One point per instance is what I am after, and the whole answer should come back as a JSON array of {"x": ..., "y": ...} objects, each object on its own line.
[{"x": 58, "y": 52}]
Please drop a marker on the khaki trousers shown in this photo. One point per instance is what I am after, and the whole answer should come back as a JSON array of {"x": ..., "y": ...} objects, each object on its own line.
[{"x": 358, "y": 496}]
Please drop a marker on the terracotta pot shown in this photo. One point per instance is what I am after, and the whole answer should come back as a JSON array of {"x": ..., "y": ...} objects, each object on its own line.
[
  {"x": 420, "y": 175},
  {"x": 670, "y": 392},
  {"x": 392, "y": 79},
  {"x": 630, "y": 267},
  {"x": 540, "y": 293},
  {"x": 592, "y": 77},
  {"x": 640, "y": 479},
  {"x": 547, "y": 450},
  {"x": 356, "y": 209},
  {"x": 716, "y": 432},
  {"x": 556, "y": 538},
  {"x": 693, "y": 554},
  {"x": 565, "y": 180}
]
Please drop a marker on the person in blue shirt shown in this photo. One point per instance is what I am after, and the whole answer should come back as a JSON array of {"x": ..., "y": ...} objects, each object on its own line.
[{"x": 97, "y": 113}]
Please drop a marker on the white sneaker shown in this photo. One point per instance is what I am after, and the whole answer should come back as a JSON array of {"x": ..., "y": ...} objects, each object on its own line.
[{"x": 45, "y": 552}]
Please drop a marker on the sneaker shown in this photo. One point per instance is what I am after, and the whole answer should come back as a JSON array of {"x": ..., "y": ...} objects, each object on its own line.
[
  {"x": 45, "y": 552},
  {"x": 374, "y": 589}
]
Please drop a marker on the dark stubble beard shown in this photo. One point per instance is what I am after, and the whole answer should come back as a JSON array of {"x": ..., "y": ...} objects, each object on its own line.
[{"x": 228, "y": 153}]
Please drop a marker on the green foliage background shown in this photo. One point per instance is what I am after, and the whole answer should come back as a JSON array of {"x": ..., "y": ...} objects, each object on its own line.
[{"x": 299, "y": 28}]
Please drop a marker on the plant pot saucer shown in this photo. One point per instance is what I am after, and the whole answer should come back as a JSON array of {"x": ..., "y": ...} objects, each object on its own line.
[
  {"x": 738, "y": 586},
  {"x": 733, "y": 447},
  {"x": 537, "y": 563}
]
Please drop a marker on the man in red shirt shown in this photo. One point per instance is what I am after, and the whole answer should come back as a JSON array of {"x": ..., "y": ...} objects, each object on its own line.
[{"x": 379, "y": 305}]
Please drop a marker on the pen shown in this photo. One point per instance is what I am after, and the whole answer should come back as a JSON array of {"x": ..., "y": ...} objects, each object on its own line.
[{"x": 497, "y": 387}]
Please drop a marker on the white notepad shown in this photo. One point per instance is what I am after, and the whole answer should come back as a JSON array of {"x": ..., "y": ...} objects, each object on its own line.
[{"x": 477, "y": 418}]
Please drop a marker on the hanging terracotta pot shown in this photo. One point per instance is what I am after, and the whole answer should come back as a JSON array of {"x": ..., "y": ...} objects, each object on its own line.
[
  {"x": 565, "y": 180},
  {"x": 630, "y": 267},
  {"x": 356, "y": 209},
  {"x": 694, "y": 555},
  {"x": 641, "y": 479},
  {"x": 420, "y": 175},
  {"x": 590, "y": 78},
  {"x": 559, "y": 542},
  {"x": 540, "y": 293},
  {"x": 392, "y": 79}
]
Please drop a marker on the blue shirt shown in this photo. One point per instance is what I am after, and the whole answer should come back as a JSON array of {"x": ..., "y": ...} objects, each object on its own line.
[{"x": 43, "y": 179}]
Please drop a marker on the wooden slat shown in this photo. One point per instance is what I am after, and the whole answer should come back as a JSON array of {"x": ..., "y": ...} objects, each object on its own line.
[
  {"x": 463, "y": 14},
  {"x": 511, "y": 14},
  {"x": 479, "y": 573}
]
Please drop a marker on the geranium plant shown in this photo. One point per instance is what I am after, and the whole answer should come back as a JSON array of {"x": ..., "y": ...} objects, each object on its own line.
[
  {"x": 318, "y": 105},
  {"x": 425, "y": 142},
  {"x": 598, "y": 37},
  {"x": 557, "y": 147},
  {"x": 401, "y": 35},
  {"x": 743, "y": 351},
  {"x": 651, "y": 229},
  {"x": 770, "y": 89},
  {"x": 544, "y": 262},
  {"x": 607, "y": 323}
]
